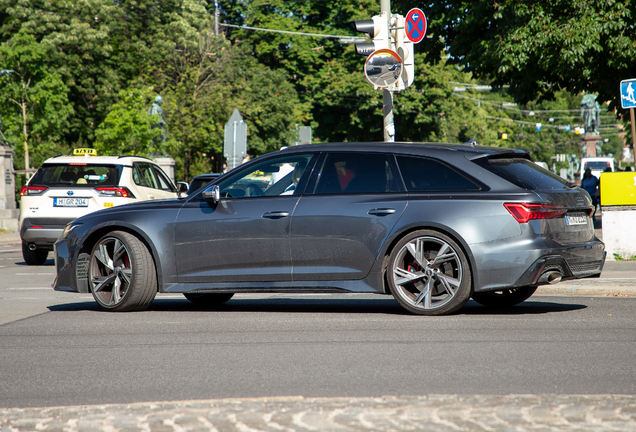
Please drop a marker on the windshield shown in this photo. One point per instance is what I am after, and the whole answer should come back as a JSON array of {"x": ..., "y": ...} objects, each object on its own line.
[{"x": 80, "y": 175}]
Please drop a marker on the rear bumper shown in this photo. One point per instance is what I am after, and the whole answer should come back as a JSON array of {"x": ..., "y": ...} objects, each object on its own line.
[
  {"x": 519, "y": 265},
  {"x": 42, "y": 232},
  {"x": 568, "y": 270}
]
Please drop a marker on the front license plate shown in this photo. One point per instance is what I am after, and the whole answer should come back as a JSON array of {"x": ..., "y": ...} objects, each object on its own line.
[
  {"x": 70, "y": 202},
  {"x": 576, "y": 219}
]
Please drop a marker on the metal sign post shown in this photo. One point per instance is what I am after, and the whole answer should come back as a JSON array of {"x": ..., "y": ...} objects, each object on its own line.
[{"x": 235, "y": 143}]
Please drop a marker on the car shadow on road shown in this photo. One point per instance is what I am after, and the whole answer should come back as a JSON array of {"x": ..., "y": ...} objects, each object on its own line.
[{"x": 382, "y": 305}]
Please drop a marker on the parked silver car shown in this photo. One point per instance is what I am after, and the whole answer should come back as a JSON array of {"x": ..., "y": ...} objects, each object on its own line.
[{"x": 431, "y": 224}]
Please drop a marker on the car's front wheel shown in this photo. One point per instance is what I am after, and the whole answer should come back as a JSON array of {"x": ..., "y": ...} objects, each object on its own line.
[
  {"x": 428, "y": 274},
  {"x": 208, "y": 299},
  {"x": 122, "y": 273},
  {"x": 505, "y": 298},
  {"x": 34, "y": 257}
]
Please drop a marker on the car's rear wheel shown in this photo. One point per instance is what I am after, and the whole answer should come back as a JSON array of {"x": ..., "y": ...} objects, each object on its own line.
[
  {"x": 505, "y": 298},
  {"x": 34, "y": 257},
  {"x": 428, "y": 274},
  {"x": 208, "y": 299},
  {"x": 122, "y": 273}
]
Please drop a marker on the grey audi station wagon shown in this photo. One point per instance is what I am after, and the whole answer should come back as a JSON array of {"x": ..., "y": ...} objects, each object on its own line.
[{"x": 431, "y": 224}]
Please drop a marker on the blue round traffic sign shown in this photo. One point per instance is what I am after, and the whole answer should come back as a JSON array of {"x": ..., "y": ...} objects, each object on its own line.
[{"x": 415, "y": 24}]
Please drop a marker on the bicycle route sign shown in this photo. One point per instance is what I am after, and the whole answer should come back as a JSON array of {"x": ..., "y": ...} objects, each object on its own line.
[{"x": 415, "y": 24}]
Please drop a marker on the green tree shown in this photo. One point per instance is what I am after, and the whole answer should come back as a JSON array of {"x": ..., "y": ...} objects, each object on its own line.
[
  {"x": 127, "y": 128},
  {"x": 540, "y": 47},
  {"x": 33, "y": 102}
]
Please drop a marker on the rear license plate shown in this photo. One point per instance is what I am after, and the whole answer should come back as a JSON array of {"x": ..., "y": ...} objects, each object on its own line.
[
  {"x": 576, "y": 219},
  {"x": 70, "y": 202}
]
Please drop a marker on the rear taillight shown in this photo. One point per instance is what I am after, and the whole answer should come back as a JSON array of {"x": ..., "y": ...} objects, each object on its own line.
[
  {"x": 525, "y": 212},
  {"x": 115, "y": 191},
  {"x": 32, "y": 190}
]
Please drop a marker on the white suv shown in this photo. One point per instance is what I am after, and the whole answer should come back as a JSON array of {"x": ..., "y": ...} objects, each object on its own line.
[{"x": 67, "y": 187}]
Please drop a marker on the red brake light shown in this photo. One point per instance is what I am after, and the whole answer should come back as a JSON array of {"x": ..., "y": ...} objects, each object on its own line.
[
  {"x": 32, "y": 190},
  {"x": 524, "y": 212},
  {"x": 115, "y": 191}
]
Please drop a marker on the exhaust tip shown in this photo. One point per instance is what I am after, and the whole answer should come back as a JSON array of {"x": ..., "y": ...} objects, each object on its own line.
[
  {"x": 551, "y": 277},
  {"x": 32, "y": 247}
]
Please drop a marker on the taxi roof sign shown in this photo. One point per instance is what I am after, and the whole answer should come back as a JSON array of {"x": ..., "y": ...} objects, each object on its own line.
[{"x": 84, "y": 152}]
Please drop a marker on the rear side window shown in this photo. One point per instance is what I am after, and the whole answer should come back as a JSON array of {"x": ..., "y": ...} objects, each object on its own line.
[
  {"x": 526, "y": 174},
  {"x": 346, "y": 173},
  {"x": 76, "y": 175},
  {"x": 429, "y": 175}
]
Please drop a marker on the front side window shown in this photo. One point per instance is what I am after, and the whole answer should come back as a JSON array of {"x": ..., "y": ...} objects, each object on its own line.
[
  {"x": 143, "y": 176},
  {"x": 273, "y": 177},
  {"x": 162, "y": 181},
  {"x": 76, "y": 175},
  {"x": 429, "y": 175},
  {"x": 346, "y": 173}
]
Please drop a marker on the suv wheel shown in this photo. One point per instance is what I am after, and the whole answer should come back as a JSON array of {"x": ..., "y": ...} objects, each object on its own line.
[{"x": 34, "y": 257}]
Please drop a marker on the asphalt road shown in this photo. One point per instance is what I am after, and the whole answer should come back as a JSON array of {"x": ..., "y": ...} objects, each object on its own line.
[{"x": 314, "y": 354}]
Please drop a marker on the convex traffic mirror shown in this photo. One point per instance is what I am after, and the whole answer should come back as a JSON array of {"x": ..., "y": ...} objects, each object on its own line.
[{"x": 383, "y": 68}]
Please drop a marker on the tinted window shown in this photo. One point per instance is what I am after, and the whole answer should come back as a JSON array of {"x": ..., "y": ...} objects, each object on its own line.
[
  {"x": 78, "y": 174},
  {"x": 273, "y": 177},
  {"x": 525, "y": 173},
  {"x": 426, "y": 175},
  {"x": 356, "y": 173}
]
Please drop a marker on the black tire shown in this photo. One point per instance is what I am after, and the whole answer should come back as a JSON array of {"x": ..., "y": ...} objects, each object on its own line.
[
  {"x": 505, "y": 298},
  {"x": 34, "y": 257},
  {"x": 428, "y": 274},
  {"x": 122, "y": 275},
  {"x": 208, "y": 299}
]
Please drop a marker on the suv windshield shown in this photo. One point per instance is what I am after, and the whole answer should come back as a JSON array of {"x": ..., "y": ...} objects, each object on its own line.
[
  {"x": 525, "y": 173},
  {"x": 80, "y": 175}
]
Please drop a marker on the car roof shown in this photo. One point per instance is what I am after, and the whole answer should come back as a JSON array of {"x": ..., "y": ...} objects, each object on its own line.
[
  {"x": 470, "y": 151},
  {"x": 96, "y": 160}
]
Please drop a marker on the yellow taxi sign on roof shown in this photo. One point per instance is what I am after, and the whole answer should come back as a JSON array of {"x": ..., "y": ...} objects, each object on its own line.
[{"x": 84, "y": 152}]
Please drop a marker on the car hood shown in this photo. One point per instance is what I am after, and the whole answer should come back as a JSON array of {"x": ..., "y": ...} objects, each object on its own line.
[{"x": 150, "y": 205}]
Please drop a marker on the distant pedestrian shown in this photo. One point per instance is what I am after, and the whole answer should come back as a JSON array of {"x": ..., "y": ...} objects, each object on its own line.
[{"x": 590, "y": 183}]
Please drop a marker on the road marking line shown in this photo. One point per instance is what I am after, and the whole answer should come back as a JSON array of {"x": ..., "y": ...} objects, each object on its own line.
[{"x": 29, "y": 288}]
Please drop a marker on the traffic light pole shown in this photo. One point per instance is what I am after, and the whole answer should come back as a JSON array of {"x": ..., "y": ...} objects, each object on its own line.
[
  {"x": 387, "y": 97},
  {"x": 387, "y": 111}
]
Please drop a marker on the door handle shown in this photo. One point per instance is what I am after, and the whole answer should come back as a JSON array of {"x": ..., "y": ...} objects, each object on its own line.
[
  {"x": 382, "y": 211},
  {"x": 275, "y": 215}
]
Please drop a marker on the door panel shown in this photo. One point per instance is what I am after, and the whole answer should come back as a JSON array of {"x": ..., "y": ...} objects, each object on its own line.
[
  {"x": 238, "y": 240},
  {"x": 338, "y": 237}
]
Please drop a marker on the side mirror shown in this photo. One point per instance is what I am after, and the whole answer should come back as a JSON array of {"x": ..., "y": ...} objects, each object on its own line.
[
  {"x": 182, "y": 187},
  {"x": 212, "y": 195}
]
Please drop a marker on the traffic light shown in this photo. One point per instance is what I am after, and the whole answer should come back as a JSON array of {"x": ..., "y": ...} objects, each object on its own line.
[
  {"x": 404, "y": 48},
  {"x": 377, "y": 30}
]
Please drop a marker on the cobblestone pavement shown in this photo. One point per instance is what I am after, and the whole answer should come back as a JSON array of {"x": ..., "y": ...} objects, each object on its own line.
[{"x": 407, "y": 413}]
